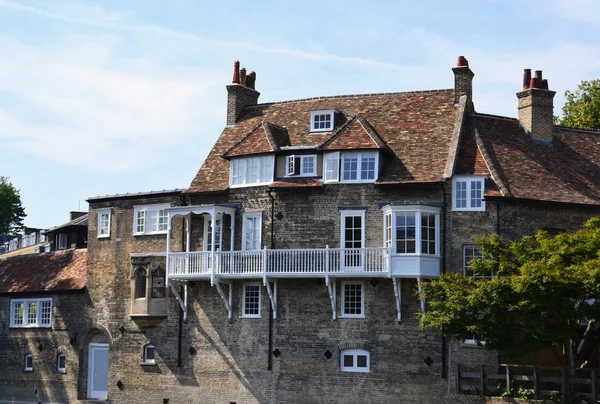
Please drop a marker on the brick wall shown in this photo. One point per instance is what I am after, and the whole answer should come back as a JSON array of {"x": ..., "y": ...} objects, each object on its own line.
[{"x": 70, "y": 319}]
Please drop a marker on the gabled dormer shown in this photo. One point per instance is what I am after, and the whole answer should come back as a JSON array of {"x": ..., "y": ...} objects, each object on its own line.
[
  {"x": 352, "y": 153},
  {"x": 252, "y": 159}
]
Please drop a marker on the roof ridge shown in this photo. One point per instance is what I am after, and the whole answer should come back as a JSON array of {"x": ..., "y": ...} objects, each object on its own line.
[
  {"x": 592, "y": 130},
  {"x": 243, "y": 139},
  {"x": 482, "y": 115},
  {"x": 348, "y": 96}
]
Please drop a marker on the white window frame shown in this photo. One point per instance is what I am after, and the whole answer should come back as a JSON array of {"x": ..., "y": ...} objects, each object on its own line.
[
  {"x": 331, "y": 167},
  {"x": 322, "y": 112},
  {"x": 239, "y": 175},
  {"x": 466, "y": 265},
  {"x": 62, "y": 369},
  {"x": 245, "y": 222},
  {"x": 25, "y": 318},
  {"x": 355, "y": 353},
  {"x": 343, "y": 314},
  {"x": 104, "y": 231},
  {"x": 245, "y": 286},
  {"x": 291, "y": 162},
  {"x": 143, "y": 213},
  {"x": 418, "y": 211},
  {"x": 146, "y": 360},
  {"x": 359, "y": 156},
  {"x": 469, "y": 181},
  {"x": 208, "y": 231},
  {"x": 28, "y": 368}
]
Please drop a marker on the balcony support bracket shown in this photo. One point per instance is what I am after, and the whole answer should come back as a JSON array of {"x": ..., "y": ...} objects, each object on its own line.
[
  {"x": 182, "y": 302},
  {"x": 226, "y": 299},
  {"x": 333, "y": 297},
  {"x": 272, "y": 291},
  {"x": 398, "y": 295}
]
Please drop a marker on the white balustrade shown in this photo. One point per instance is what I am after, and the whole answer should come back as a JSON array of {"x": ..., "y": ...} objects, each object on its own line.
[{"x": 289, "y": 262}]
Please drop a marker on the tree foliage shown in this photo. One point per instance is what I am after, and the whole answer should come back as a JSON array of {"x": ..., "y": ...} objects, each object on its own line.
[
  {"x": 11, "y": 210},
  {"x": 544, "y": 292},
  {"x": 582, "y": 107}
]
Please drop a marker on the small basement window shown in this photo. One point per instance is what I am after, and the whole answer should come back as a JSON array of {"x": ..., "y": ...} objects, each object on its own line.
[
  {"x": 61, "y": 363},
  {"x": 149, "y": 351},
  {"x": 322, "y": 120},
  {"x": 355, "y": 360},
  {"x": 28, "y": 363}
]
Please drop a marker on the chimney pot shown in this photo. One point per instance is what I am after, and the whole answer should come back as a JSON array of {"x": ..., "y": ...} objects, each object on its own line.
[
  {"x": 463, "y": 82},
  {"x": 240, "y": 94},
  {"x": 538, "y": 75},
  {"x": 243, "y": 76},
  {"x": 236, "y": 72},
  {"x": 545, "y": 84},
  {"x": 251, "y": 80},
  {"x": 526, "y": 78}
]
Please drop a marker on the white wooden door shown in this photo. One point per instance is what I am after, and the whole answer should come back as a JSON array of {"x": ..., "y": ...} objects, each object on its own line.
[
  {"x": 352, "y": 240},
  {"x": 98, "y": 371}
]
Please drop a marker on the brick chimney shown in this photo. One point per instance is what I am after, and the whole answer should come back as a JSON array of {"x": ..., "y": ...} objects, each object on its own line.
[
  {"x": 536, "y": 107},
  {"x": 463, "y": 82},
  {"x": 240, "y": 93},
  {"x": 74, "y": 215}
]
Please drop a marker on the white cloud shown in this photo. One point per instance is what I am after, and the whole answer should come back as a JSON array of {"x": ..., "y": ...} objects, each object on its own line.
[{"x": 95, "y": 105}]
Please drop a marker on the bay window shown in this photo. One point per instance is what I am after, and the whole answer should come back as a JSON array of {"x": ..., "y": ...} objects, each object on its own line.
[{"x": 412, "y": 229}]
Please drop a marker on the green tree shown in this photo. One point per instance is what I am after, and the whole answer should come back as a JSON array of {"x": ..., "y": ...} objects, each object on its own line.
[
  {"x": 582, "y": 107},
  {"x": 11, "y": 210},
  {"x": 545, "y": 295}
]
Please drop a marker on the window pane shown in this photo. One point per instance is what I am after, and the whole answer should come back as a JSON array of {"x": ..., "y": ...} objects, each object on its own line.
[
  {"x": 45, "y": 312},
  {"x": 405, "y": 233},
  {"x": 150, "y": 353},
  {"x": 348, "y": 361},
  {"x": 252, "y": 300},
  {"x": 460, "y": 194},
  {"x": 18, "y": 313},
  {"x": 61, "y": 361},
  {"x": 140, "y": 284},
  {"x": 158, "y": 284},
  {"x": 361, "y": 361},
  {"x": 32, "y": 313},
  {"x": 353, "y": 299}
]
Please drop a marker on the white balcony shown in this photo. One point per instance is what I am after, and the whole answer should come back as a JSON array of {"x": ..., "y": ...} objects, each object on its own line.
[{"x": 298, "y": 263}]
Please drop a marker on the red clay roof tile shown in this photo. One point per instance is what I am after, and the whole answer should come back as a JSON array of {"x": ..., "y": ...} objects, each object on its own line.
[{"x": 46, "y": 272}]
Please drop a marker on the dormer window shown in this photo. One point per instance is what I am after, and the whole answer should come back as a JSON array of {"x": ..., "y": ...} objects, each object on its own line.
[
  {"x": 302, "y": 166},
  {"x": 322, "y": 120},
  {"x": 360, "y": 166},
  {"x": 251, "y": 171}
]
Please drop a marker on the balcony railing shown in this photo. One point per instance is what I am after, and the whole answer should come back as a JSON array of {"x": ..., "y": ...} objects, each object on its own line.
[{"x": 279, "y": 263}]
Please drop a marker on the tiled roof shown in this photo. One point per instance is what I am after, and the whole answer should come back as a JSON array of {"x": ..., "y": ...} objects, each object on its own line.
[
  {"x": 264, "y": 138},
  {"x": 415, "y": 126},
  {"x": 357, "y": 133},
  {"x": 79, "y": 221},
  {"x": 46, "y": 272},
  {"x": 567, "y": 171}
]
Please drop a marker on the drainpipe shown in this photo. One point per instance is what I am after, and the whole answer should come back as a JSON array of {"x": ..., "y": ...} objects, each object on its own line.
[
  {"x": 498, "y": 217},
  {"x": 180, "y": 331},
  {"x": 444, "y": 213},
  {"x": 180, "y": 334},
  {"x": 270, "y": 356}
]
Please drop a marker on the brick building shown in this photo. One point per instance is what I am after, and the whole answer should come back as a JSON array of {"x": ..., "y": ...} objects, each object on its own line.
[{"x": 287, "y": 271}]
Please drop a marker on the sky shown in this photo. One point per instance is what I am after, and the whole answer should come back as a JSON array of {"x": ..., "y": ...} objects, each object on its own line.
[{"x": 110, "y": 97}]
